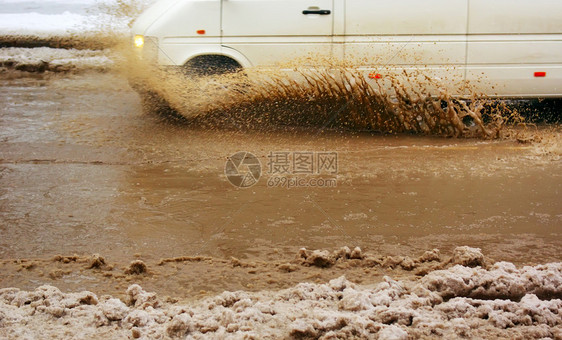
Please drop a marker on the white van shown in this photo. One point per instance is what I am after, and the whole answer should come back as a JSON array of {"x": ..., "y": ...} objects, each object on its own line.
[{"x": 514, "y": 45}]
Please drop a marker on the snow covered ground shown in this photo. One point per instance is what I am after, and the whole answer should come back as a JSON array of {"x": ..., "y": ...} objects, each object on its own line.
[
  {"x": 68, "y": 23},
  {"x": 56, "y": 60},
  {"x": 46, "y": 17},
  {"x": 43, "y": 18},
  {"x": 501, "y": 301}
]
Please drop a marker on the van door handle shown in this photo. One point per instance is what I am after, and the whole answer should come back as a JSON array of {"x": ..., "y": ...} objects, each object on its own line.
[{"x": 317, "y": 11}]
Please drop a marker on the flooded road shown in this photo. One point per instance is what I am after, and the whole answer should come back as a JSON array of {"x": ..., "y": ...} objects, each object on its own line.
[{"x": 84, "y": 171}]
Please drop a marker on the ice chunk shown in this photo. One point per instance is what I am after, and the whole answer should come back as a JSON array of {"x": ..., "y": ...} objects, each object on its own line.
[
  {"x": 114, "y": 309},
  {"x": 467, "y": 256}
]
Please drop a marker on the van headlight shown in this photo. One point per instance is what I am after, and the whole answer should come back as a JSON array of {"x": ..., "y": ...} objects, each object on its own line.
[
  {"x": 147, "y": 47},
  {"x": 139, "y": 41}
]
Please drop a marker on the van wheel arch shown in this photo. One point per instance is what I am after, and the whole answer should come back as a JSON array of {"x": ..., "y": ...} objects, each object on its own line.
[{"x": 211, "y": 64}]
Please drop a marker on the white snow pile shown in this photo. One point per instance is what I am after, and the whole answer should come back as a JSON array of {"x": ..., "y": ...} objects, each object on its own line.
[
  {"x": 46, "y": 18},
  {"x": 39, "y": 24},
  {"x": 501, "y": 301},
  {"x": 42, "y": 59}
]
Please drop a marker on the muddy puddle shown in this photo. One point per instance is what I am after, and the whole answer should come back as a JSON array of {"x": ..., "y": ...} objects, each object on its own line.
[{"x": 85, "y": 171}]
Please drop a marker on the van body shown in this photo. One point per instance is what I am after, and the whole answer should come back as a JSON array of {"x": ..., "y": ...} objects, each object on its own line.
[{"x": 511, "y": 48}]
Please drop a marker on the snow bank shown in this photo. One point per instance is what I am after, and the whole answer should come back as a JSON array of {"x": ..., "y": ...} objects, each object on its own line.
[
  {"x": 502, "y": 281},
  {"x": 41, "y": 18},
  {"x": 501, "y": 301},
  {"x": 52, "y": 59},
  {"x": 324, "y": 258},
  {"x": 38, "y": 24}
]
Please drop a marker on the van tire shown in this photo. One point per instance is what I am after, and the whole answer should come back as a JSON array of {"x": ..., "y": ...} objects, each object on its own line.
[
  {"x": 210, "y": 65},
  {"x": 547, "y": 110}
]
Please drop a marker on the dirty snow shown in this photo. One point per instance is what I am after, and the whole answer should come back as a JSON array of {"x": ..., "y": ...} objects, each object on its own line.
[
  {"x": 38, "y": 24},
  {"x": 54, "y": 59},
  {"x": 498, "y": 301},
  {"x": 44, "y": 18}
]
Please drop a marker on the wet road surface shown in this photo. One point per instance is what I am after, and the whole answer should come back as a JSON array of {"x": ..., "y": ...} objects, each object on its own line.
[{"x": 84, "y": 170}]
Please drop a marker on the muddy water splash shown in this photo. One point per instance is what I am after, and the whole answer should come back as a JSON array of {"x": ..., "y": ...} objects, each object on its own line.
[{"x": 334, "y": 97}]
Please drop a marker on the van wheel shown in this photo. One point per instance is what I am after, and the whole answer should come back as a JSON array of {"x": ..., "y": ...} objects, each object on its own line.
[
  {"x": 210, "y": 65},
  {"x": 548, "y": 111}
]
